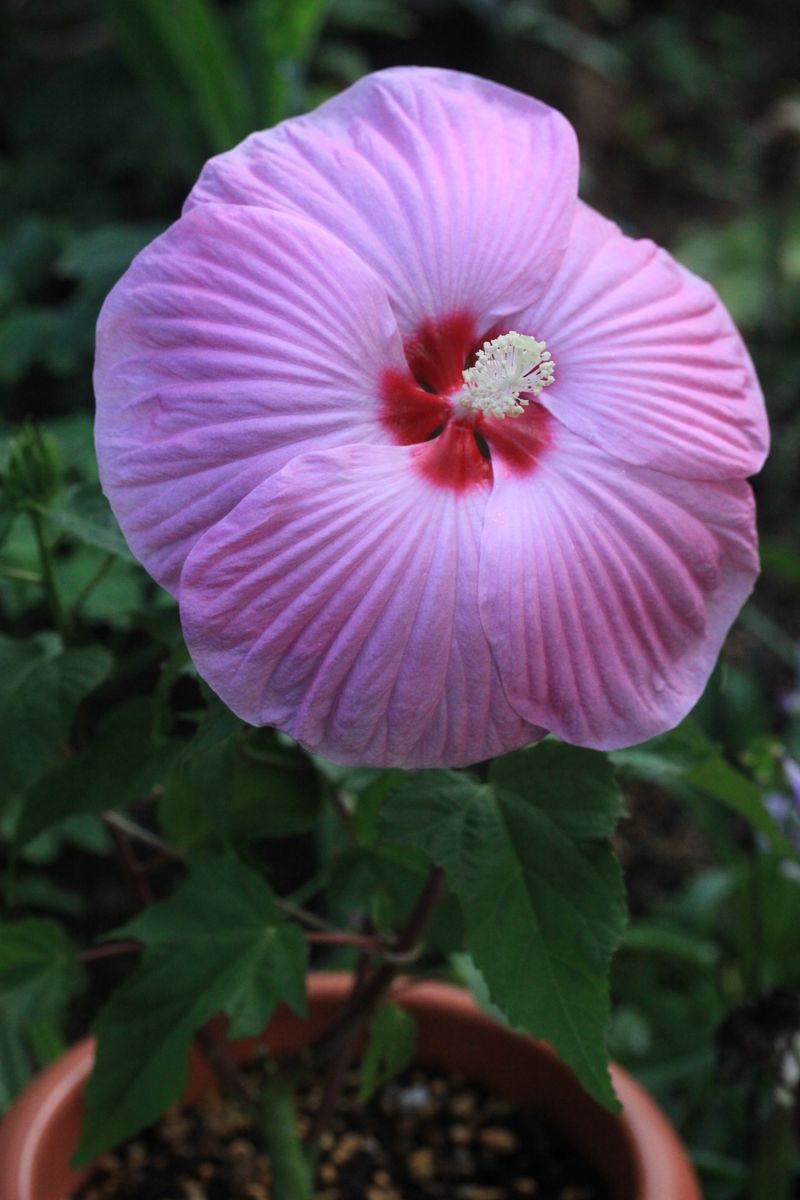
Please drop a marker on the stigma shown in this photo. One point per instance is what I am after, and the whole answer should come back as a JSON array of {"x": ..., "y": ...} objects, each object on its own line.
[{"x": 509, "y": 371}]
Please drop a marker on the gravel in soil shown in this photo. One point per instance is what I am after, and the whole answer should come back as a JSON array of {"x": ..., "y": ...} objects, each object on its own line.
[{"x": 425, "y": 1135}]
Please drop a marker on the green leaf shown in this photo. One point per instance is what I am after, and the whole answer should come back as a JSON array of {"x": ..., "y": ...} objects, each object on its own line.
[
  {"x": 158, "y": 83},
  {"x": 218, "y": 725},
  {"x": 270, "y": 800},
  {"x": 467, "y": 974},
  {"x": 23, "y": 334},
  {"x": 37, "y": 890},
  {"x": 83, "y": 830},
  {"x": 390, "y": 1048},
  {"x": 121, "y": 765},
  {"x": 98, "y": 257},
  {"x": 218, "y": 944},
  {"x": 38, "y": 971},
  {"x": 654, "y": 937},
  {"x": 74, "y": 433},
  {"x": 16, "y": 1068},
  {"x": 384, "y": 882},
  {"x": 195, "y": 51},
  {"x": 369, "y": 804},
  {"x": 374, "y": 16},
  {"x": 195, "y": 804},
  {"x": 684, "y": 760},
  {"x": 38, "y": 976},
  {"x": 780, "y": 560},
  {"x": 285, "y": 33},
  {"x": 84, "y": 514},
  {"x": 40, "y": 688},
  {"x": 542, "y": 895},
  {"x": 574, "y": 787},
  {"x": 233, "y": 785},
  {"x": 47, "y": 1041},
  {"x": 27, "y": 250},
  {"x": 734, "y": 257}
]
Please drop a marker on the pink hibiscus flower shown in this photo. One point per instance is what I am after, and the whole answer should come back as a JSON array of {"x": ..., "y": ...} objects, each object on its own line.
[{"x": 432, "y": 456}]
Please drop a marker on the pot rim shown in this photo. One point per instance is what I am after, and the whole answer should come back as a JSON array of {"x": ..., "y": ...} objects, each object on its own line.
[{"x": 49, "y": 1110}]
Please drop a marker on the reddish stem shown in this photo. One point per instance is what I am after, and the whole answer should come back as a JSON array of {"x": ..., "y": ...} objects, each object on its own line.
[
  {"x": 334, "y": 937},
  {"x": 335, "y": 1078},
  {"x": 136, "y": 832},
  {"x": 340, "y": 1036},
  {"x": 109, "y": 950},
  {"x": 223, "y": 1065},
  {"x": 136, "y": 873},
  {"x": 332, "y": 1088}
]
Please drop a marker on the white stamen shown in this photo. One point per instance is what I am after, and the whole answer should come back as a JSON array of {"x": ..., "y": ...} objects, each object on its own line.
[{"x": 508, "y": 371}]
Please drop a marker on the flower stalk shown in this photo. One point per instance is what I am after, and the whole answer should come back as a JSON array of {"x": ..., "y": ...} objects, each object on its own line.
[
  {"x": 340, "y": 1037},
  {"x": 772, "y": 1166},
  {"x": 60, "y": 619},
  {"x": 292, "y": 1167}
]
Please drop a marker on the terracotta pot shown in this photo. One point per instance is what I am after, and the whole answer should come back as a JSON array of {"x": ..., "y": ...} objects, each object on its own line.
[{"x": 638, "y": 1151}]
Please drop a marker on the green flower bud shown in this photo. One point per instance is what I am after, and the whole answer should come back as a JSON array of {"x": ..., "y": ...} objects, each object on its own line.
[{"x": 33, "y": 473}]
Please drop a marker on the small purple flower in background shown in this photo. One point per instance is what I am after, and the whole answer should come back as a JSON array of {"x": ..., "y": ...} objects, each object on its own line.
[
  {"x": 784, "y": 808},
  {"x": 432, "y": 456},
  {"x": 790, "y": 700}
]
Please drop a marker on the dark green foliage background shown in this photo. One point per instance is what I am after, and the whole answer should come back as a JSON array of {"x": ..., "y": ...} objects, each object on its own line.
[{"x": 688, "y": 117}]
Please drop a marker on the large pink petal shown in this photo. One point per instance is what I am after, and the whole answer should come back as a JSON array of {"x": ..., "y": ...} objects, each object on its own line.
[
  {"x": 607, "y": 589},
  {"x": 457, "y": 191},
  {"x": 339, "y": 601},
  {"x": 648, "y": 362},
  {"x": 235, "y": 341}
]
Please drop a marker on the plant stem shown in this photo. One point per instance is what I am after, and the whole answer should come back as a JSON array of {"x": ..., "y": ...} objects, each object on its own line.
[
  {"x": 772, "y": 1168},
  {"x": 332, "y": 1088},
  {"x": 336, "y": 937},
  {"x": 6, "y": 525},
  {"x": 97, "y": 578},
  {"x": 302, "y": 915},
  {"x": 133, "y": 868},
  {"x": 223, "y": 1065},
  {"x": 109, "y": 950},
  {"x": 754, "y": 959},
  {"x": 115, "y": 820},
  {"x": 48, "y": 576},
  {"x": 366, "y": 994},
  {"x": 167, "y": 853},
  {"x": 369, "y": 943},
  {"x": 292, "y": 1169},
  {"x": 340, "y": 1037},
  {"x": 429, "y": 897},
  {"x": 20, "y": 576},
  {"x": 334, "y": 1081},
  {"x": 343, "y": 814},
  {"x": 768, "y": 631}
]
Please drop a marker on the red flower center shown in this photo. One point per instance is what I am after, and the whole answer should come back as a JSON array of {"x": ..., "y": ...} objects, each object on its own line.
[{"x": 419, "y": 407}]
